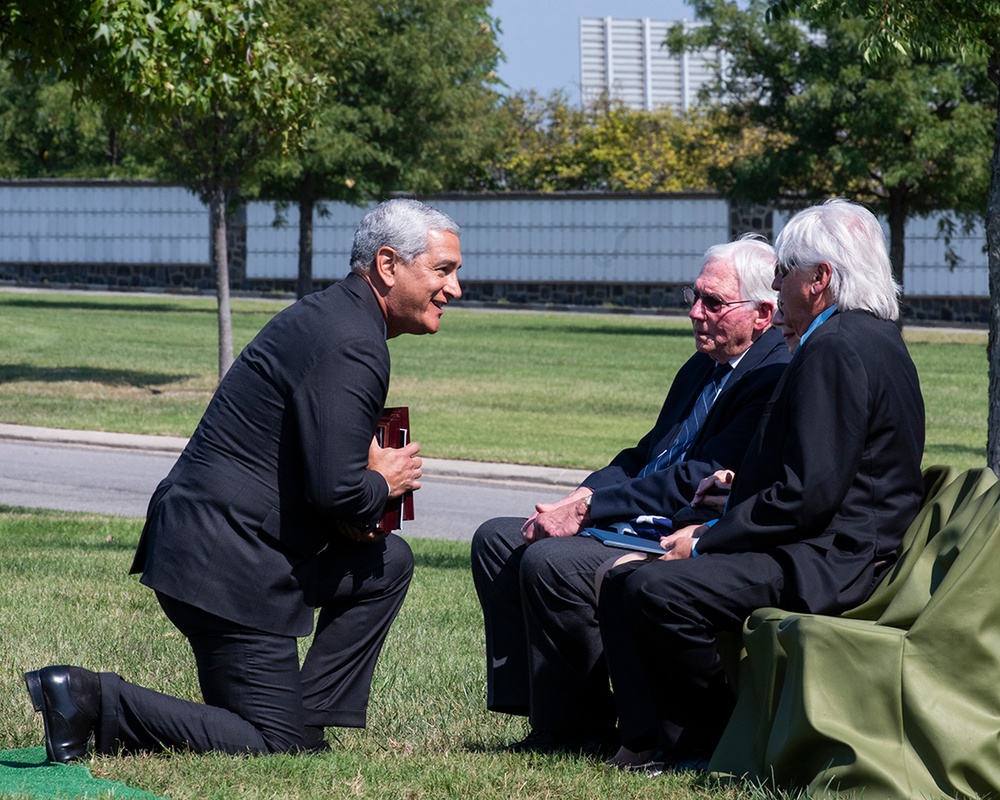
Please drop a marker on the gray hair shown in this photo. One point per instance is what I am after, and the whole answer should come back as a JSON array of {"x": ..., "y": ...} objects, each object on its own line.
[
  {"x": 401, "y": 224},
  {"x": 753, "y": 260},
  {"x": 850, "y": 239}
]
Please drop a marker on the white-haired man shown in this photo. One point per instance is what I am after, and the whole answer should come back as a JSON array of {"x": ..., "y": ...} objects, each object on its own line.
[
  {"x": 816, "y": 512},
  {"x": 535, "y": 577}
]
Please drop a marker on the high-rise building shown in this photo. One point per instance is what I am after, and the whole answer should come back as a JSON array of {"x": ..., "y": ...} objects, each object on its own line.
[{"x": 628, "y": 60}]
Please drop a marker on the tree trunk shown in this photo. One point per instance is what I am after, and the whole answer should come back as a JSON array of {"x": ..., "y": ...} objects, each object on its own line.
[
  {"x": 993, "y": 257},
  {"x": 114, "y": 155},
  {"x": 898, "y": 212},
  {"x": 220, "y": 257},
  {"x": 307, "y": 201}
]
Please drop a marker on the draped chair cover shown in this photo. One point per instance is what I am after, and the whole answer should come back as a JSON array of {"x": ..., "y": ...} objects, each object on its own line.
[{"x": 899, "y": 697}]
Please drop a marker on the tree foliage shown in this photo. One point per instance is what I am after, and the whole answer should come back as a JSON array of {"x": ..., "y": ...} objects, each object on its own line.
[
  {"x": 905, "y": 135},
  {"x": 548, "y": 145},
  {"x": 963, "y": 30},
  {"x": 410, "y": 109},
  {"x": 46, "y": 133},
  {"x": 215, "y": 86}
]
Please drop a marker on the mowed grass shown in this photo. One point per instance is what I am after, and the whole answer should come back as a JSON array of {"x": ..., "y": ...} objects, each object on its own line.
[
  {"x": 554, "y": 389},
  {"x": 537, "y": 388},
  {"x": 65, "y": 597}
]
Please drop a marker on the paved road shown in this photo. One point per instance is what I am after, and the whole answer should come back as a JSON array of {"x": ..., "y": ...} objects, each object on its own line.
[{"x": 119, "y": 478}]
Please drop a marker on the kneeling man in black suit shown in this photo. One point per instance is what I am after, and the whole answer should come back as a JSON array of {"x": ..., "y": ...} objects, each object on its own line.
[{"x": 271, "y": 512}]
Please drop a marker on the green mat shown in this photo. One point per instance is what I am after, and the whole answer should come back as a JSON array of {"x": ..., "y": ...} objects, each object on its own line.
[{"x": 26, "y": 773}]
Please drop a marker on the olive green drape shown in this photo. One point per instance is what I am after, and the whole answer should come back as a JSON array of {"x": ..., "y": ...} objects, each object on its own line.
[{"x": 900, "y": 697}]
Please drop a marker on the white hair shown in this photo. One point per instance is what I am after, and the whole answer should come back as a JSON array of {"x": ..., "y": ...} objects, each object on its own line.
[
  {"x": 850, "y": 239},
  {"x": 401, "y": 224},
  {"x": 753, "y": 260}
]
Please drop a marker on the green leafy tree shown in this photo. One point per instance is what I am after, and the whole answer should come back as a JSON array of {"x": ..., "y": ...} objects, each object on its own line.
[
  {"x": 967, "y": 31},
  {"x": 548, "y": 145},
  {"x": 409, "y": 110},
  {"x": 46, "y": 132},
  {"x": 209, "y": 76},
  {"x": 222, "y": 93},
  {"x": 906, "y": 135}
]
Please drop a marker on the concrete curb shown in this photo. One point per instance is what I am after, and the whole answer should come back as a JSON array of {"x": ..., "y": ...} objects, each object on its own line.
[{"x": 433, "y": 467}]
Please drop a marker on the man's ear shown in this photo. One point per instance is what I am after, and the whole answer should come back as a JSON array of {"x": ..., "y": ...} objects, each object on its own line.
[
  {"x": 386, "y": 262},
  {"x": 821, "y": 277},
  {"x": 765, "y": 316}
]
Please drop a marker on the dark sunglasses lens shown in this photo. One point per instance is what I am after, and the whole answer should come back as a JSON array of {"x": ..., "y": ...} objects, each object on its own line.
[{"x": 711, "y": 303}]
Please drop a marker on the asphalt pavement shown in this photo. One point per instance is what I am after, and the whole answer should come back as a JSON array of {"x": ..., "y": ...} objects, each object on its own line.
[{"x": 115, "y": 473}]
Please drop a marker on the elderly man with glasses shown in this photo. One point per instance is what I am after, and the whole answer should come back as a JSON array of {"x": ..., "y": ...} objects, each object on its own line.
[
  {"x": 817, "y": 509},
  {"x": 535, "y": 576}
]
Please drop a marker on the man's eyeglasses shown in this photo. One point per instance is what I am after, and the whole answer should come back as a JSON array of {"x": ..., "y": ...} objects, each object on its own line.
[
  {"x": 783, "y": 269},
  {"x": 711, "y": 303}
]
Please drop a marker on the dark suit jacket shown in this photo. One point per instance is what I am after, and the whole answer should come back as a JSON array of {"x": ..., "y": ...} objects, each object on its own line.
[
  {"x": 278, "y": 458},
  {"x": 832, "y": 478},
  {"x": 720, "y": 444}
]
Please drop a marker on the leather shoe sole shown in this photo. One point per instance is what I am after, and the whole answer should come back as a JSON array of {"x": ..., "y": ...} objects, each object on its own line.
[{"x": 58, "y": 693}]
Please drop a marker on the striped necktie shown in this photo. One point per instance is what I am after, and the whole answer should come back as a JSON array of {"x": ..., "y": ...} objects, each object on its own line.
[{"x": 691, "y": 425}]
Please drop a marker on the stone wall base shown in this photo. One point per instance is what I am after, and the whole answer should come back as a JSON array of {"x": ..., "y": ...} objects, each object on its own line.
[
  {"x": 649, "y": 297},
  {"x": 168, "y": 277}
]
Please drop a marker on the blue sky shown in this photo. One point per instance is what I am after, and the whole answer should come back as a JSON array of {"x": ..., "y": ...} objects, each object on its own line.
[{"x": 541, "y": 38}]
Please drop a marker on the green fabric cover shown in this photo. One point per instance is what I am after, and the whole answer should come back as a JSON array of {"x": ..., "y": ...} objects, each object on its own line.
[
  {"x": 27, "y": 773},
  {"x": 900, "y": 697}
]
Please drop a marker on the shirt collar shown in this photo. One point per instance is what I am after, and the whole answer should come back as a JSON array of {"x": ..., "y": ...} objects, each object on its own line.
[{"x": 822, "y": 317}]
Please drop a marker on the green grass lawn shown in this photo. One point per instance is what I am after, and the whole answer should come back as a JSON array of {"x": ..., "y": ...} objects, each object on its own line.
[
  {"x": 566, "y": 390},
  {"x": 65, "y": 597},
  {"x": 536, "y": 388}
]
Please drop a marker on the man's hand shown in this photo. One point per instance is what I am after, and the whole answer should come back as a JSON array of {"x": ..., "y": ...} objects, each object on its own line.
[
  {"x": 680, "y": 543},
  {"x": 713, "y": 491},
  {"x": 398, "y": 465},
  {"x": 566, "y": 517}
]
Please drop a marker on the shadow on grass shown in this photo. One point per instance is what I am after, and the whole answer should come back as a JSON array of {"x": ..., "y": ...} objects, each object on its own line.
[
  {"x": 10, "y": 373},
  {"x": 458, "y": 561},
  {"x": 615, "y": 330},
  {"x": 63, "y": 543},
  {"x": 963, "y": 451},
  {"x": 110, "y": 305}
]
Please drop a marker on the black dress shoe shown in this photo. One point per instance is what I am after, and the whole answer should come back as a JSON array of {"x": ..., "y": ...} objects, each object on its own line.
[{"x": 70, "y": 706}]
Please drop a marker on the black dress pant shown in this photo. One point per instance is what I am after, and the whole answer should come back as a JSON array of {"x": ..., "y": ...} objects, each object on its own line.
[
  {"x": 544, "y": 656},
  {"x": 257, "y": 698},
  {"x": 659, "y": 622}
]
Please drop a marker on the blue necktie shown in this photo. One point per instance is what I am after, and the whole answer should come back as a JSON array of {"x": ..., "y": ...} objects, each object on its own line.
[{"x": 690, "y": 426}]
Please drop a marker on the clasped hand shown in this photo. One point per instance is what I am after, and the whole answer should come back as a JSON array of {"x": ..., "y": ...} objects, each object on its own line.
[
  {"x": 398, "y": 465},
  {"x": 402, "y": 471},
  {"x": 680, "y": 543},
  {"x": 565, "y": 517},
  {"x": 713, "y": 491}
]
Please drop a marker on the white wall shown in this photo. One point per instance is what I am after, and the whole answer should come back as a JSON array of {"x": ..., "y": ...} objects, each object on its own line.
[
  {"x": 551, "y": 239},
  {"x": 576, "y": 238}
]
